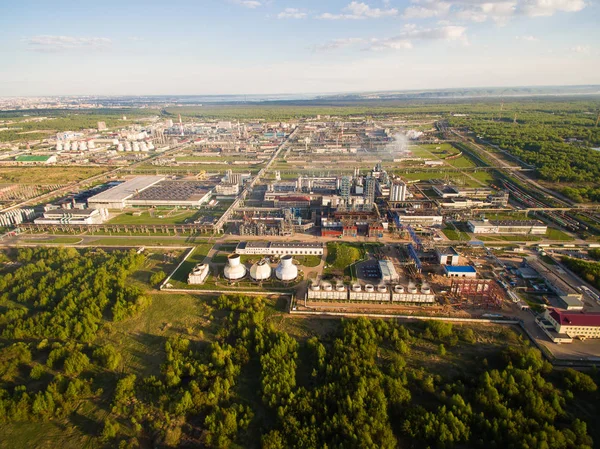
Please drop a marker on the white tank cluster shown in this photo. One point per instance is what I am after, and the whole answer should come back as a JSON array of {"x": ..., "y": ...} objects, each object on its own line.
[
  {"x": 75, "y": 145},
  {"x": 286, "y": 270},
  {"x": 135, "y": 146},
  {"x": 234, "y": 270},
  {"x": 261, "y": 270}
]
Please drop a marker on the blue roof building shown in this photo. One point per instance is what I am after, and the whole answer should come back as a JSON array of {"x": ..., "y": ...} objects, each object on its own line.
[{"x": 460, "y": 271}]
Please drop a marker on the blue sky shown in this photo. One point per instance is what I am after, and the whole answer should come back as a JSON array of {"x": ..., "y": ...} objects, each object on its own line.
[{"x": 109, "y": 47}]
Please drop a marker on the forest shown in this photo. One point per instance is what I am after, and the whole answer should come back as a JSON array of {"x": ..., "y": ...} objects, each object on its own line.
[
  {"x": 587, "y": 270},
  {"x": 245, "y": 382},
  {"x": 557, "y": 141}
]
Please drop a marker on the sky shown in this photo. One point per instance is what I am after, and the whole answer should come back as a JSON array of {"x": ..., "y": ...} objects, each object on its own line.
[{"x": 216, "y": 47}]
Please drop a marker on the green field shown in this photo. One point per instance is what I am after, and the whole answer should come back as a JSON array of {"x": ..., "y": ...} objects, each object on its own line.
[
  {"x": 157, "y": 216},
  {"x": 54, "y": 240},
  {"x": 48, "y": 175}
]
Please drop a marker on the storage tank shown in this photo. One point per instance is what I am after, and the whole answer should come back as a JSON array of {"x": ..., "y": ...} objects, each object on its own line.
[
  {"x": 327, "y": 286},
  {"x": 82, "y": 146},
  {"x": 286, "y": 270},
  {"x": 356, "y": 288},
  {"x": 136, "y": 146},
  {"x": 369, "y": 288},
  {"x": 381, "y": 288},
  {"x": 143, "y": 146},
  {"x": 91, "y": 144},
  {"x": 260, "y": 271},
  {"x": 234, "y": 269},
  {"x": 340, "y": 287},
  {"x": 315, "y": 287},
  {"x": 67, "y": 146},
  {"x": 398, "y": 289},
  {"x": 425, "y": 289},
  {"x": 59, "y": 146},
  {"x": 120, "y": 147},
  {"x": 150, "y": 146}
]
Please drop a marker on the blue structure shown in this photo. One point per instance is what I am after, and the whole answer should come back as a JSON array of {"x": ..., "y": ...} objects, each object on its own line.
[
  {"x": 412, "y": 252},
  {"x": 462, "y": 271}
]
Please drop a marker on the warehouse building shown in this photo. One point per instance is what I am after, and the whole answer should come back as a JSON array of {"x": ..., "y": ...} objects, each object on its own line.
[
  {"x": 279, "y": 248},
  {"x": 507, "y": 227},
  {"x": 152, "y": 191},
  {"x": 447, "y": 256},
  {"x": 388, "y": 271},
  {"x": 73, "y": 216},
  {"x": 116, "y": 197},
  {"x": 31, "y": 159},
  {"x": 465, "y": 271}
]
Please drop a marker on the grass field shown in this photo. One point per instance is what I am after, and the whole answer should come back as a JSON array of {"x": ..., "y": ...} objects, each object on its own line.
[
  {"x": 453, "y": 234},
  {"x": 54, "y": 240},
  {"x": 158, "y": 216},
  {"x": 48, "y": 175},
  {"x": 196, "y": 257}
]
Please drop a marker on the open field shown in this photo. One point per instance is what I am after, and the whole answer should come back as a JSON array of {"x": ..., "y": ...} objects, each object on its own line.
[
  {"x": 157, "y": 216},
  {"x": 48, "y": 175}
]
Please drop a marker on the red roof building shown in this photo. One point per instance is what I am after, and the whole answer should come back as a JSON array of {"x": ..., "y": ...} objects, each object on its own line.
[{"x": 575, "y": 325}]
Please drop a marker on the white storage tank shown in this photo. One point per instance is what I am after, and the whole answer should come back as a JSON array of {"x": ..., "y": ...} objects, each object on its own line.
[
  {"x": 315, "y": 287},
  {"x": 260, "y": 271},
  {"x": 340, "y": 287},
  {"x": 59, "y": 146},
  {"x": 67, "y": 146},
  {"x": 286, "y": 270},
  {"x": 399, "y": 289},
  {"x": 356, "y": 288},
  {"x": 327, "y": 286},
  {"x": 91, "y": 145},
  {"x": 369, "y": 288},
  {"x": 425, "y": 289},
  {"x": 120, "y": 147},
  {"x": 234, "y": 270},
  {"x": 198, "y": 274},
  {"x": 381, "y": 288}
]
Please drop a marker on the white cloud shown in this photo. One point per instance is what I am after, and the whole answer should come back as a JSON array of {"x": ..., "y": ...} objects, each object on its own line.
[
  {"x": 582, "y": 49},
  {"x": 51, "y": 43},
  {"x": 527, "y": 38},
  {"x": 251, "y": 4},
  {"x": 536, "y": 8},
  {"x": 291, "y": 13},
  {"x": 499, "y": 11},
  {"x": 357, "y": 11},
  {"x": 403, "y": 41}
]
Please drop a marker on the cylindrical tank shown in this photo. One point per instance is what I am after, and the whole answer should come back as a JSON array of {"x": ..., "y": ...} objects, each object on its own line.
[
  {"x": 286, "y": 270},
  {"x": 150, "y": 146},
  {"x": 136, "y": 146},
  {"x": 260, "y": 271},
  {"x": 381, "y": 288},
  {"x": 127, "y": 145},
  {"x": 425, "y": 289},
  {"x": 356, "y": 288},
  {"x": 369, "y": 288},
  {"x": 82, "y": 146},
  {"x": 234, "y": 269},
  {"x": 399, "y": 289},
  {"x": 67, "y": 146},
  {"x": 315, "y": 287},
  {"x": 120, "y": 147},
  {"x": 340, "y": 287},
  {"x": 143, "y": 146},
  {"x": 327, "y": 286},
  {"x": 91, "y": 144},
  {"x": 59, "y": 146}
]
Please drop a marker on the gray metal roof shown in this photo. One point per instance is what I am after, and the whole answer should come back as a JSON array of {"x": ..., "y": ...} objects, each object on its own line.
[{"x": 127, "y": 189}]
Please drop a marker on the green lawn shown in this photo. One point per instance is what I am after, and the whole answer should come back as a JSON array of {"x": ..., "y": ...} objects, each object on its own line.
[
  {"x": 157, "y": 216},
  {"x": 308, "y": 261},
  {"x": 196, "y": 257},
  {"x": 453, "y": 234},
  {"x": 557, "y": 234},
  {"x": 54, "y": 240}
]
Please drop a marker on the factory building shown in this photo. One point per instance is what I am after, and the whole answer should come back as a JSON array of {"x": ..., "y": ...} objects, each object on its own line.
[
  {"x": 16, "y": 216},
  {"x": 73, "y": 216},
  {"x": 388, "y": 271},
  {"x": 573, "y": 325},
  {"x": 507, "y": 227},
  {"x": 419, "y": 217},
  {"x": 447, "y": 256},
  {"x": 116, "y": 197},
  {"x": 279, "y": 248},
  {"x": 152, "y": 191},
  {"x": 369, "y": 192},
  {"x": 398, "y": 191},
  {"x": 464, "y": 271},
  {"x": 30, "y": 159}
]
